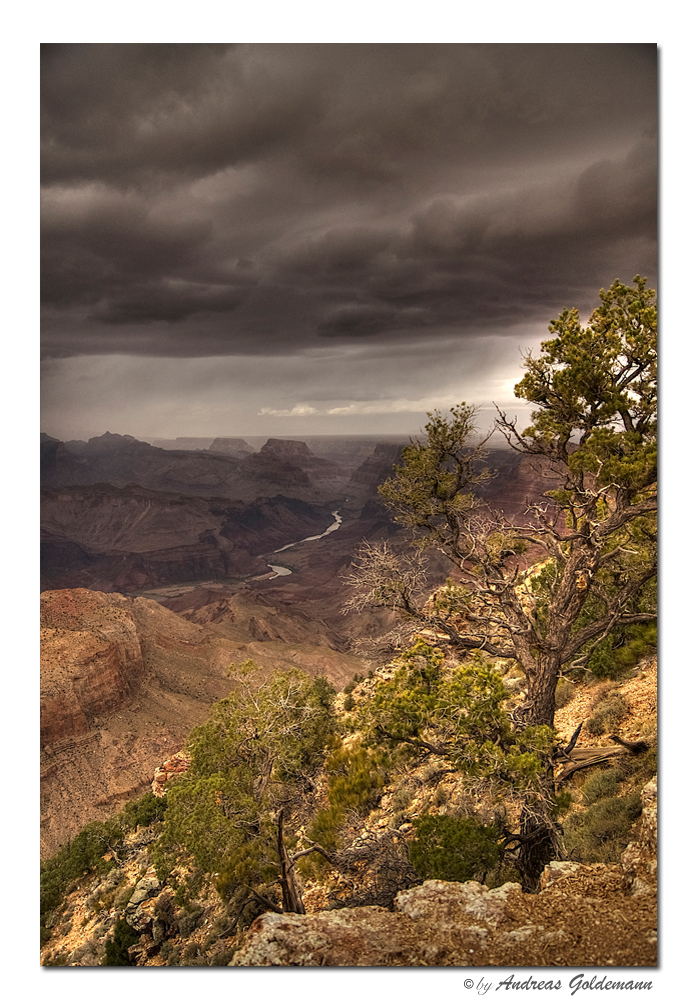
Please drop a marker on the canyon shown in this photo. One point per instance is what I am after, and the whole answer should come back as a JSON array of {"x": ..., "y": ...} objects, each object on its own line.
[{"x": 156, "y": 581}]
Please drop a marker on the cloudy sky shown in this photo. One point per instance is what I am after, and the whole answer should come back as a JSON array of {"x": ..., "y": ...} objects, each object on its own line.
[{"x": 307, "y": 238}]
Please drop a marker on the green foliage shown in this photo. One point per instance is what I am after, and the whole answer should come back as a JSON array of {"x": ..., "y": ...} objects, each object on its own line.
[
  {"x": 624, "y": 646},
  {"x": 116, "y": 950},
  {"x": 602, "y": 784},
  {"x": 602, "y": 832},
  {"x": 452, "y": 848},
  {"x": 255, "y": 755},
  {"x": 81, "y": 855},
  {"x": 85, "y": 853},
  {"x": 432, "y": 489},
  {"x": 595, "y": 390},
  {"x": 607, "y": 714},
  {"x": 561, "y": 802},
  {"x": 143, "y": 811},
  {"x": 622, "y": 649},
  {"x": 356, "y": 777},
  {"x": 600, "y": 380},
  {"x": 458, "y": 713}
]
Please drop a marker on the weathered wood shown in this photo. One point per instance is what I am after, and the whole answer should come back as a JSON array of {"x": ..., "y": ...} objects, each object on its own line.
[
  {"x": 634, "y": 747},
  {"x": 582, "y": 758},
  {"x": 574, "y": 737},
  {"x": 568, "y": 771},
  {"x": 587, "y": 752},
  {"x": 292, "y": 899}
]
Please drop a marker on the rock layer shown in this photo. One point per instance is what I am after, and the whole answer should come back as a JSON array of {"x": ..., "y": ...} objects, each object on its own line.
[{"x": 123, "y": 682}]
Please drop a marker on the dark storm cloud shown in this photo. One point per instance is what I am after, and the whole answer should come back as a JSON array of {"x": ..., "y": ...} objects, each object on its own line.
[{"x": 214, "y": 200}]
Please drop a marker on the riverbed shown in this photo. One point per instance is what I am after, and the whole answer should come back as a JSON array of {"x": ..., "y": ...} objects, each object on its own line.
[{"x": 285, "y": 571}]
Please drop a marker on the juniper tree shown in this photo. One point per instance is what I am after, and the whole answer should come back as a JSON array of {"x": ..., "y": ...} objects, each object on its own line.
[
  {"x": 595, "y": 432},
  {"x": 252, "y": 764}
]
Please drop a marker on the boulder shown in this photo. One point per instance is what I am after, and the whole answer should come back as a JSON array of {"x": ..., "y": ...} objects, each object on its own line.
[{"x": 640, "y": 859}]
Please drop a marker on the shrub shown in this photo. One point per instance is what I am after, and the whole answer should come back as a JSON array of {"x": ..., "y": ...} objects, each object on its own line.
[
  {"x": 123, "y": 896},
  {"x": 402, "y": 798},
  {"x": 601, "y": 784},
  {"x": 116, "y": 949},
  {"x": 452, "y": 848},
  {"x": 85, "y": 853},
  {"x": 164, "y": 909},
  {"x": 356, "y": 780},
  {"x": 602, "y": 832},
  {"x": 622, "y": 650},
  {"x": 144, "y": 811},
  {"x": 222, "y": 958},
  {"x": 219, "y": 817},
  {"x": 607, "y": 714},
  {"x": 187, "y": 922}
]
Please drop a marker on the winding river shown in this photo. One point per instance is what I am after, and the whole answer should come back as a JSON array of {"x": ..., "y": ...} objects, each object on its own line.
[{"x": 283, "y": 571}]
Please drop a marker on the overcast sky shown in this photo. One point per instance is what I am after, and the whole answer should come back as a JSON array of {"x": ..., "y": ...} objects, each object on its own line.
[{"x": 298, "y": 239}]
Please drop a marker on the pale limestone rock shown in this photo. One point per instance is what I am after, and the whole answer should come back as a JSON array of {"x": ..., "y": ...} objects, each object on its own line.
[
  {"x": 137, "y": 913},
  {"x": 437, "y": 923},
  {"x": 441, "y": 899},
  {"x": 360, "y": 937},
  {"x": 556, "y": 870},
  {"x": 640, "y": 859}
]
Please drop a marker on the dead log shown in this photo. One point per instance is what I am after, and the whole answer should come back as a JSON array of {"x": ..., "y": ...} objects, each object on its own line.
[{"x": 634, "y": 747}]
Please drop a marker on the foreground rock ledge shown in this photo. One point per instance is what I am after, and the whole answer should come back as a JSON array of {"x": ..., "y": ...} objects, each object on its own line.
[{"x": 585, "y": 915}]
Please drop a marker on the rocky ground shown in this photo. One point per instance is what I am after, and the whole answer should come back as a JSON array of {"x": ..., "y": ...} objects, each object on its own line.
[{"x": 585, "y": 914}]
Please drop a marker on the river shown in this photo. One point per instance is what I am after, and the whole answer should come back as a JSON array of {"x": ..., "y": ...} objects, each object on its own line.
[{"x": 284, "y": 571}]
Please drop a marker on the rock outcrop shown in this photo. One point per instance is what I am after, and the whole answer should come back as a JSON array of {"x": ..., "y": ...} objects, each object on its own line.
[
  {"x": 124, "y": 680},
  {"x": 172, "y": 767},
  {"x": 121, "y": 459},
  {"x": 235, "y": 446},
  {"x": 640, "y": 859},
  {"x": 91, "y": 661},
  {"x": 585, "y": 915}
]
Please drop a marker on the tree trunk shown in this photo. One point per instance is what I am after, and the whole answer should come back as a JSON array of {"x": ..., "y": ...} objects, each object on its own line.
[
  {"x": 540, "y": 841},
  {"x": 292, "y": 897},
  {"x": 542, "y": 684}
]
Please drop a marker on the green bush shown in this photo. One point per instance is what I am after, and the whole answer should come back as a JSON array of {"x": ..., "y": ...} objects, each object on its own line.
[
  {"x": 602, "y": 832},
  {"x": 144, "y": 811},
  {"x": 452, "y": 848},
  {"x": 116, "y": 950},
  {"x": 607, "y": 714},
  {"x": 601, "y": 784},
  {"x": 85, "y": 853},
  {"x": 220, "y": 817},
  {"x": 622, "y": 650}
]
